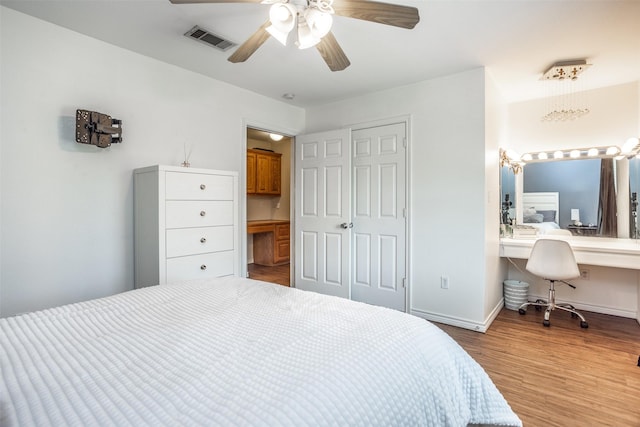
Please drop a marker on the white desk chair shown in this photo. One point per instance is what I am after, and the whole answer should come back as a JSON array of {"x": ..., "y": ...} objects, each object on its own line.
[{"x": 553, "y": 260}]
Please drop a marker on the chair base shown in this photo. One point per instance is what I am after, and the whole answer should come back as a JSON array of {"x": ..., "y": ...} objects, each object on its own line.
[{"x": 551, "y": 305}]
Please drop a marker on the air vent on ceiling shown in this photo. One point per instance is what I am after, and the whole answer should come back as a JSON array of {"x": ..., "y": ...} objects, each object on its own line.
[{"x": 207, "y": 37}]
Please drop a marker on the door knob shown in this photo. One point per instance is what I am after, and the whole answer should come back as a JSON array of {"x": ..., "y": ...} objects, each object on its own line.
[{"x": 346, "y": 225}]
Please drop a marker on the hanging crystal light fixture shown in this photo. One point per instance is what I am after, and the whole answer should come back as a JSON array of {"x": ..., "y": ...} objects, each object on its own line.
[{"x": 566, "y": 100}]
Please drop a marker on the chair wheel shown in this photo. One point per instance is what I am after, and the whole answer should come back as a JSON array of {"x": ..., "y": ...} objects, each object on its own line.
[
  {"x": 584, "y": 324},
  {"x": 547, "y": 323},
  {"x": 522, "y": 311},
  {"x": 538, "y": 308},
  {"x": 574, "y": 316}
]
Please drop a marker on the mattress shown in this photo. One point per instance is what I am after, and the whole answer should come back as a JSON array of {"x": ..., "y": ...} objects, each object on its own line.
[{"x": 234, "y": 351}]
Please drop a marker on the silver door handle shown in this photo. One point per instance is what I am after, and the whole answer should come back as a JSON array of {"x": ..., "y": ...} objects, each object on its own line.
[{"x": 345, "y": 225}]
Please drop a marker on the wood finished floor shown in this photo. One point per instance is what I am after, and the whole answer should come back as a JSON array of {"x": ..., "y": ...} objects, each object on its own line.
[
  {"x": 562, "y": 375},
  {"x": 278, "y": 274}
]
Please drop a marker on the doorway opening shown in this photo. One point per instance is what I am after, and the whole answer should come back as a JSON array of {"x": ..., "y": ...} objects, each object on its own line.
[{"x": 268, "y": 206}]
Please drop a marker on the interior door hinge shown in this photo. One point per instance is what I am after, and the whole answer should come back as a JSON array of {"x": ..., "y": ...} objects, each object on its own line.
[
  {"x": 404, "y": 212},
  {"x": 404, "y": 142},
  {"x": 404, "y": 282}
]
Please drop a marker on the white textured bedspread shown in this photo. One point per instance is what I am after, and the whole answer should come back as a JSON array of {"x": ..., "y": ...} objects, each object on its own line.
[{"x": 233, "y": 351}]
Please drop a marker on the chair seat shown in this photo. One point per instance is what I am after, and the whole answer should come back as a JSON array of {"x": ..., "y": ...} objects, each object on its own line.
[{"x": 553, "y": 259}]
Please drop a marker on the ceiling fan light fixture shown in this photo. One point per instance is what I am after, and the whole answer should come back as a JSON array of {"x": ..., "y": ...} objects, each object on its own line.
[
  {"x": 319, "y": 22},
  {"x": 306, "y": 39},
  {"x": 281, "y": 36},
  {"x": 312, "y": 21},
  {"x": 283, "y": 20}
]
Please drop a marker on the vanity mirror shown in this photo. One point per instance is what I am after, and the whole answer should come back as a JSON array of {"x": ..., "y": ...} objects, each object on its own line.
[{"x": 565, "y": 194}]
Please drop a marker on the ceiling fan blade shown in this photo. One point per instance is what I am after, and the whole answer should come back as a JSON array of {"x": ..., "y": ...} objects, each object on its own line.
[
  {"x": 332, "y": 53},
  {"x": 252, "y": 44},
  {"x": 374, "y": 11},
  {"x": 213, "y": 1}
]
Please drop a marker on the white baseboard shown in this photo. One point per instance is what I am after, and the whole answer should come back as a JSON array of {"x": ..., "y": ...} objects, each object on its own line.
[
  {"x": 459, "y": 321},
  {"x": 590, "y": 307}
]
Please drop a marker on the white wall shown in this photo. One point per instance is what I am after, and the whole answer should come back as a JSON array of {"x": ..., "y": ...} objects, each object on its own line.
[
  {"x": 613, "y": 118},
  {"x": 495, "y": 135},
  {"x": 449, "y": 189},
  {"x": 67, "y": 209}
]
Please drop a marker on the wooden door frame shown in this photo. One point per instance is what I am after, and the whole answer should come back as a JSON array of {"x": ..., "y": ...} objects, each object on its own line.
[{"x": 242, "y": 190}]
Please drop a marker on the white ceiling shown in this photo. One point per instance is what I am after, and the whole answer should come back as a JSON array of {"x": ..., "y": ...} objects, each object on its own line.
[{"x": 516, "y": 39}]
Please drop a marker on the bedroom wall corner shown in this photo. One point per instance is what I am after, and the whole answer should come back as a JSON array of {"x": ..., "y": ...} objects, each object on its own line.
[
  {"x": 495, "y": 137},
  {"x": 67, "y": 208}
]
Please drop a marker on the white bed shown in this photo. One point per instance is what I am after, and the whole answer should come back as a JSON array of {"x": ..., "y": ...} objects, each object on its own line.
[
  {"x": 234, "y": 351},
  {"x": 539, "y": 203}
]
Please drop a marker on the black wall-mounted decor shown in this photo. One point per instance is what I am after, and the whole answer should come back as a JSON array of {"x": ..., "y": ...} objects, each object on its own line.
[{"x": 97, "y": 129}]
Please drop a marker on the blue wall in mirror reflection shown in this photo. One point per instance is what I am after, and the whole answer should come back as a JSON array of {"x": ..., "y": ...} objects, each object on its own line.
[{"x": 577, "y": 182}]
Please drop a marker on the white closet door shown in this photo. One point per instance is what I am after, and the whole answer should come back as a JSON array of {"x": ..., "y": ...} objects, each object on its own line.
[
  {"x": 378, "y": 206},
  {"x": 322, "y": 243}
]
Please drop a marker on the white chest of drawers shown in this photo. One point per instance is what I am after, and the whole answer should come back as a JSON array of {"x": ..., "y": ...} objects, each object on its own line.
[{"x": 185, "y": 224}]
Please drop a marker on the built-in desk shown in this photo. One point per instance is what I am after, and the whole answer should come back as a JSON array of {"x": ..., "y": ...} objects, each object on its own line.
[
  {"x": 614, "y": 290},
  {"x": 618, "y": 253},
  {"x": 270, "y": 241}
]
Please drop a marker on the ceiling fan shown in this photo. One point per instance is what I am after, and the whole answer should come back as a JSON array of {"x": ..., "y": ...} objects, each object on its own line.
[{"x": 312, "y": 20}]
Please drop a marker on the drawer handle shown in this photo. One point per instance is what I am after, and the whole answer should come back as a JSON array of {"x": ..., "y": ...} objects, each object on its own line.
[
  {"x": 202, "y": 213},
  {"x": 203, "y": 240},
  {"x": 203, "y": 267},
  {"x": 202, "y": 186}
]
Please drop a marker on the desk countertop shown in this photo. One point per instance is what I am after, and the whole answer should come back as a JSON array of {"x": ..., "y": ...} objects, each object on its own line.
[
  {"x": 267, "y": 222},
  {"x": 619, "y": 253}
]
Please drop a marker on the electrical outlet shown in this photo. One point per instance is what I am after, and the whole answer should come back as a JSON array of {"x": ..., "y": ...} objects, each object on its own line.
[
  {"x": 444, "y": 282},
  {"x": 584, "y": 274}
]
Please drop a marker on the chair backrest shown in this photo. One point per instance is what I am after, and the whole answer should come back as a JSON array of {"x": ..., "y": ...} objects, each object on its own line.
[
  {"x": 558, "y": 232},
  {"x": 553, "y": 259}
]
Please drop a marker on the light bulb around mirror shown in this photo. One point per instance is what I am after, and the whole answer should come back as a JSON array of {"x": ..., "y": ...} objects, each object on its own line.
[
  {"x": 543, "y": 156},
  {"x": 611, "y": 151},
  {"x": 574, "y": 154},
  {"x": 630, "y": 144},
  {"x": 558, "y": 155},
  {"x": 592, "y": 152}
]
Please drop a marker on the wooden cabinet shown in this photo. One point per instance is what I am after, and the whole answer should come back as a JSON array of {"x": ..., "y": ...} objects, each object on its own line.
[
  {"x": 263, "y": 172},
  {"x": 251, "y": 172},
  {"x": 281, "y": 251},
  {"x": 185, "y": 224},
  {"x": 270, "y": 241}
]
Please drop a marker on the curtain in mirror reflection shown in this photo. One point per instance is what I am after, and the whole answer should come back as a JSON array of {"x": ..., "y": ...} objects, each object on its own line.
[{"x": 607, "y": 208}]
